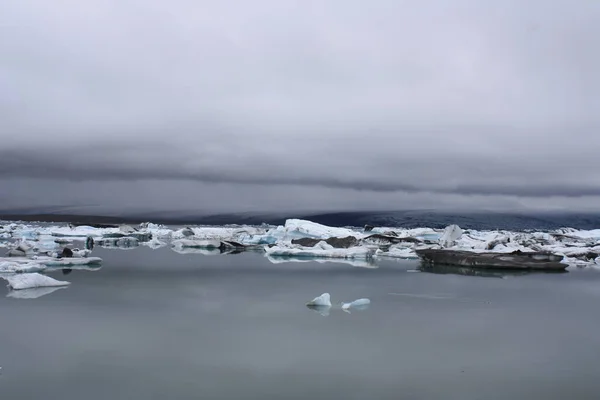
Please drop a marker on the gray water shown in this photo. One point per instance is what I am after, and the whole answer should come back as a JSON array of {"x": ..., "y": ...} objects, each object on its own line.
[{"x": 153, "y": 324}]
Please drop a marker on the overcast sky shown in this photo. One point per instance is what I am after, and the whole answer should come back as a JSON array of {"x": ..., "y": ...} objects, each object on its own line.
[{"x": 313, "y": 104}]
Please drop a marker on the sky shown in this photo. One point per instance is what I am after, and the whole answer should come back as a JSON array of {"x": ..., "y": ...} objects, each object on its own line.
[{"x": 275, "y": 105}]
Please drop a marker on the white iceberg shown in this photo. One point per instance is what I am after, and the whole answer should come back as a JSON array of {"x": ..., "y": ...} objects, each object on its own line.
[
  {"x": 398, "y": 251},
  {"x": 154, "y": 243},
  {"x": 450, "y": 235},
  {"x": 360, "y": 304},
  {"x": 218, "y": 232},
  {"x": 79, "y": 231},
  {"x": 323, "y": 300},
  {"x": 197, "y": 250},
  {"x": 296, "y": 229},
  {"x": 303, "y": 228},
  {"x": 197, "y": 243},
  {"x": 54, "y": 262},
  {"x": 34, "y": 280},
  {"x": 122, "y": 243},
  {"x": 321, "y": 249},
  {"x": 16, "y": 267}
]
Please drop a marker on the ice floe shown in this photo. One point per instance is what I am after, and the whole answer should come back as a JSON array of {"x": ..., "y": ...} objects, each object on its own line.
[
  {"x": 359, "y": 304},
  {"x": 31, "y": 281},
  {"x": 301, "y": 240},
  {"x": 53, "y": 262},
  {"x": 322, "y": 304},
  {"x": 321, "y": 249},
  {"x": 323, "y": 300},
  {"x": 17, "y": 267},
  {"x": 197, "y": 243},
  {"x": 450, "y": 235}
]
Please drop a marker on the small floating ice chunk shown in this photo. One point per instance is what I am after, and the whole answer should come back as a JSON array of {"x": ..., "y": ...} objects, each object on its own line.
[
  {"x": 68, "y": 261},
  {"x": 321, "y": 249},
  {"x": 34, "y": 280},
  {"x": 323, "y": 300},
  {"x": 54, "y": 262},
  {"x": 15, "y": 267},
  {"x": 197, "y": 243},
  {"x": 451, "y": 234},
  {"x": 126, "y": 229},
  {"x": 359, "y": 304},
  {"x": 397, "y": 251}
]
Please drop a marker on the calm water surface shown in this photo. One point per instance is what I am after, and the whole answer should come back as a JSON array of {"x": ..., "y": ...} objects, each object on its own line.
[{"x": 154, "y": 324}]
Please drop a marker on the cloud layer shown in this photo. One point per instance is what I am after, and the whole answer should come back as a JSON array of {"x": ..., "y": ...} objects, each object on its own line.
[{"x": 394, "y": 99}]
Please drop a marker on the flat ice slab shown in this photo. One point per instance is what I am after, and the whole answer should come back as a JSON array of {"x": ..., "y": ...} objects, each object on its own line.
[
  {"x": 34, "y": 280},
  {"x": 197, "y": 243},
  {"x": 320, "y": 250},
  {"x": 323, "y": 300},
  {"x": 360, "y": 304},
  {"x": 54, "y": 262},
  {"x": 16, "y": 267}
]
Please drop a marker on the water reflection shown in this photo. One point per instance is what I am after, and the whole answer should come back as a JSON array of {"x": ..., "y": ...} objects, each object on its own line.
[
  {"x": 484, "y": 273},
  {"x": 33, "y": 293},
  {"x": 352, "y": 262}
]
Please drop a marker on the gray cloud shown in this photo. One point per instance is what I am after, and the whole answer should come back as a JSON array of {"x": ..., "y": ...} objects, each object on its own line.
[{"x": 455, "y": 99}]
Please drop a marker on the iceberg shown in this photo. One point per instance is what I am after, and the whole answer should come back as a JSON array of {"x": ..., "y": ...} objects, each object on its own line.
[
  {"x": 118, "y": 243},
  {"x": 76, "y": 232},
  {"x": 197, "y": 250},
  {"x": 16, "y": 267},
  {"x": 323, "y": 300},
  {"x": 233, "y": 233},
  {"x": 298, "y": 228},
  {"x": 54, "y": 262},
  {"x": 396, "y": 251},
  {"x": 33, "y": 280},
  {"x": 360, "y": 304},
  {"x": 154, "y": 243},
  {"x": 321, "y": 249},
  {"x": 197, "y": 243},
  {"x": 450, "y": 235},
  {"x": 578, "y": 247}
]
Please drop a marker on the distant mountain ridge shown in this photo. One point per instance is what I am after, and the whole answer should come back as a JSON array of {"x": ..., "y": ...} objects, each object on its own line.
[{"x": 407, "y": 219}]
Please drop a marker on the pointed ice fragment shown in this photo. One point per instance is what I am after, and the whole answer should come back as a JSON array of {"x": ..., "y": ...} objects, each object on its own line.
[
  {"x": 451, "y": 234},
  {"x": 322, "y": 300}
]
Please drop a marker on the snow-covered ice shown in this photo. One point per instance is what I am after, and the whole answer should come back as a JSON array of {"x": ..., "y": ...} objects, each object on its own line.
[
  {"x": 197, "y": 250},
  {"x": 398, "y": 251},
  {"x": 33, "y": 280},
  {"x": 54, "y": 262},
  {"x": 323, "y": 300},
  {"x": 359, "y": 304},
  {"x": 16, "y": 267},
  {"x": 450, "y": 235},
  {"x": 321, "y": 249},
  {"x": 25, "y": 240},
  {"x": 197, "y": 243}
]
